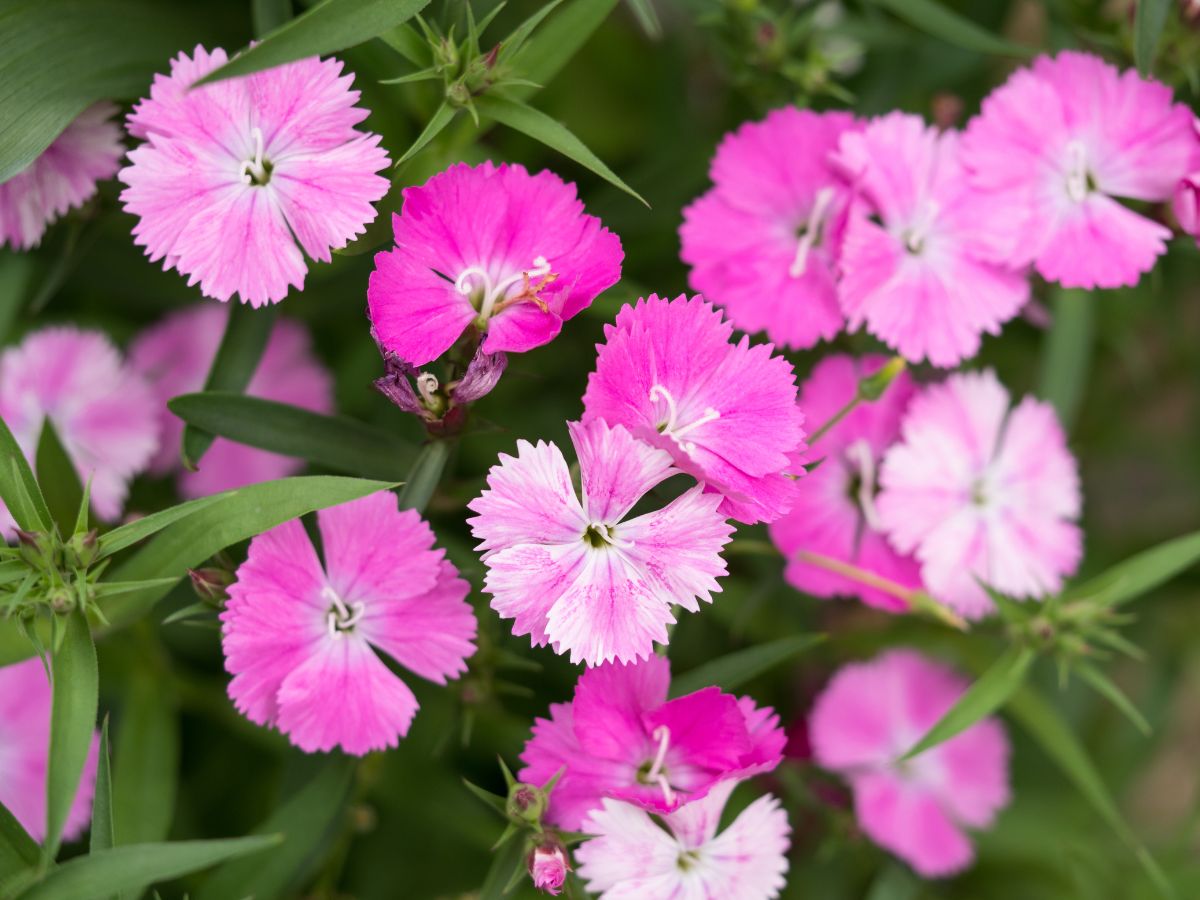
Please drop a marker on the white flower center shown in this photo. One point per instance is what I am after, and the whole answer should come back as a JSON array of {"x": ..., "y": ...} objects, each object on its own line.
[
  {"x": 1079, "y": 181},
  {"x": 860, "y": 456},
  {"x": 812, "y": 231},
  {"x": 256, "y": 170},
  {"x": 476, "y": 279},
  {"x": 917, "y": 233},
  {"x": 669, "y": 423},
  {"x": 341, "y": 617}
]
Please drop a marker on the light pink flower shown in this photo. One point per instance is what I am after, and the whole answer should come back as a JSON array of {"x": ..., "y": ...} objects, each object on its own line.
[
  {"x": 761, "y": 242},
  {"x": 25, "y": 700},
  {"x": 834, "y": 514},
  {"x": 302, "y": 640},
  {"x": 633, "y": 857},
  {"x": 1052, "y": 148},
  {"x": 174, "y": 357},
  {"x": 548, "y": 868},
  {"x": 621, "y": 737},
  {"x": 981, "y": 493},
  {"x": 1186, "y": 204},
  {"x": 102, "y": 411},
  {"x": 511, "y": 252},
  {"x": 89, "y": 150},
  {"x": 581, "y": 576},
  {"x": 236, "y": 178},
  {"x": 725, "y": 412},
  {"x": 873, "y": 713},
  {"x": 911, "y": 261}
]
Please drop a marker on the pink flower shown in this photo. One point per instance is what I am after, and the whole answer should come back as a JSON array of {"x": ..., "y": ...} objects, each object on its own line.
[
  {"x": 632, "y": 857},
  {"x": 873, "y": 713},
  {"x": 725, "y": 412},
  {"x": 915, "y": 277},
  {"x": 512, "y": 253},
  {"x": 102, "y": 411},
  {"x": 979, "y": 492},
  {"x": 548, "y": 867},
  {"x": 302, "y": 640},
  {"x": 581, "y": 576},
  {"x": 174, "y": 357},
  {"x": 761, "y": 242},
  {"x": 25, "y": 700},
  {"x": 63, "y": 177},
  {"x": 834, "y": 514},
  {"x": 233, "y": 175},
  {"x": 1186, "y": 204},
  {"x": 621, "y": 737},
  {"x": 1056, "y": 144}
]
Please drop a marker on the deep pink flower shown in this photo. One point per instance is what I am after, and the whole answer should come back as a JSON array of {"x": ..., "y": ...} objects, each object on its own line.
[
  {"x": 761, "y": 242},
  {"x": 834, "y": 514},
  {"x": 174, "y": 357},
  {"x": 236, "y": 178},
  {"x": 978, "y": 492},
  {"x": 548, "y": 868},
  {"x": 621, "y": 737},
  {"x": 725, "y": 412},
  {"x": 873, "y": 713},
  {"x": 911, "y": 261},
  {"x": 511, "y": 252},
  {"x": 302, "y": 640},
  {"x": 1052, "y": 148},
  {"x": 103, "y": 412},
  {"x": 633, "y": 857},
  {"x": 25, "y": 752},
  {"x": 89, "y": 150}
]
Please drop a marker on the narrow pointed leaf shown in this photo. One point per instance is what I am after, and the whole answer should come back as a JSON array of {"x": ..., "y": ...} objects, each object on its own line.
[
  {"x": 512, "y": 44},
  {"x": 423, "y": 477},
  {"x": 405, "y": 40},
  {"x": 1067, "y": 352},
  {"x": 17, "y": 849},
  {"x": 495, "y": 801},
  {"x": 735, "y": 669},
  {"x": 1139, "y": 574},
  {"x": 1117, "y": 697},
  {"x": 647, "y": 16},
  {"x": 58, "y": 479},
  {"x": 937, "y": 20},
  {"x": 18, "y": 488},
  {"x": 555, "y": 43},
  {"x": 412, "y": 77},
  {"x": 268, "y": 15},
  {"x": 138, "y": 530},
  {"x": 147, "y": 759},
  {"x": 102, "y": 800},
  {"x": 1149, "y": 19},
  {"x": 437, "y": 123},
  {"x": 507, "y": 863}
]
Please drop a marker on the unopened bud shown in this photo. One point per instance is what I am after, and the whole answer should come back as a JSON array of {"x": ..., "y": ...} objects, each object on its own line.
[
  {"x": 61, "y": 600},
  {"x": 458, "y": 94},
  {"x": 871, "y": 387},
  {"x": 211, "y": 583},
  {"x": 37, "y": 548},
  {"x": 548, "y": 865},
  {"x": 526, "y": 803},
  {"x": 82, "y": 549}
]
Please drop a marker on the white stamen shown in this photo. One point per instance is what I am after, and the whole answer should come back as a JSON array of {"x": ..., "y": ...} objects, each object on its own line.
[
  {"x": 812, "y": 230},
  {"x": 341, "y": 618},
  {"x": 662, "y": 734},
  {"x": 493, "y": 294},
  {"x": 860, "y": 454},
  {"x": 253, "y": 170},
  {"x": 671, "y": 427},
  {"x": 427, "y": 383},
  {"x": 1077, "y": 176},
  {"x": 918, "y": 232}
]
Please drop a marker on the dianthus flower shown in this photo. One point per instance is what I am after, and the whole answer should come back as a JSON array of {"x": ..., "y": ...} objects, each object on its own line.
[
  {"x": 174, "y": 357},
  {"x": 725, "y": 412},
  {"x": 762, "y": 241},
  {"x": 89, "y": 150},
  {"x": 512, "y": 253},
  {"x": 869, "y": 716},
  {"x": 1055, "y": 145},
  {"x": 302, "y": 640},
  {"x": 621, "y": 737},
  {"x": 235, "y": 178},
  {"x": 981, "y": 493},
  {"x": 582, "y": 576}
]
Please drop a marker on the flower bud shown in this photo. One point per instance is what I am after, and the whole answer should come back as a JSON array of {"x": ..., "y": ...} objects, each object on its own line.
[
  {"x": 526, "y": 803},
  {"x": 1186, "y": 204},
  {"x": 82, "y": 549},
  {"x": 871, "y": 387},
  {"x": 548, "y": 865},
  {"x": 211, "y": 583}
]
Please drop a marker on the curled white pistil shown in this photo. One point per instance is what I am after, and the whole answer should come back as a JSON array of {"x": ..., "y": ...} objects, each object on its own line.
[
  {"x": 427, "y": 385},
  {"x": 254, "y": 171},
  {"x": 812, "y": 231},
  {"x": 1077, "y": 175},
  {"x": 859, "y": 454},
  {"x": 671, "y": 426},
  {"x": 341, "y": 618},
  {"x": 662, "y": 734},
  {"x": 494, "y": 293}
]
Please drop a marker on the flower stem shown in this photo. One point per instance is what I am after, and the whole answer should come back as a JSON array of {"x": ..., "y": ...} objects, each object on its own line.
[{"x": 834, "y": 419}]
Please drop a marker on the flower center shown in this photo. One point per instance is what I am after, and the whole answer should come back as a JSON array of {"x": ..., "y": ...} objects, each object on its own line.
[
  {"x": 257, "y": 171},
  {"x": 654, "y": 771},
  {"x": 1080, "y": 181},
  {"x": 811, "y": 232},
  {"x": 475, "y": 282},
  {"x": 669, "y": 423},
  {"x": 687, "y": 859},
  {"x": 599, "y": 535},
  {"x": 917, "y": 233},
  {"x": 862, "y": 482},
  {"x": 340, "y": 618}
]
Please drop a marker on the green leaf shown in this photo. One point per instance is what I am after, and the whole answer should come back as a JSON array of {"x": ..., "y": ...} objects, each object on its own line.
[
  {"x": 334, "y": 441},
  {"x": 1067, "y": 353},
  {"x": 647, "y": 16},
  {"x": 405, "y": 40},
  {"x": 512, "y": 44},
  {"x": 102, "y": 799},
  {"x": 494, "y": 801},
  {"x": 58, "y": 479},
  {"x": 507, "y": 863},
  {"x": 1149, "y": 19},
  {"x": 735, "y": 669},
  {"x": 935, "y": 19},
  {"x": 1139, "y": 574},
  {"x": 18, "y": 851},
  {"x": 268, "y": 15},
  {"x": 1105, "y": 687},
  {"x": 140, "y": 529},
  {"x": 442, "y": 117},
  {"x": 16, "y": 281},
  {"x": 895, "y": 882},
  {"x": 981, "y": 699},
  {"x": 559, "y": 40},
  {"x": 328, "y": 27},
  {"x": 18, "y": 488},
  {"x": 424, "y": 476},
  {"x": 147, "y": 753}
]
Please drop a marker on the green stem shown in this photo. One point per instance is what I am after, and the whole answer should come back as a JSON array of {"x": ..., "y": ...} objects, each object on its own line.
[{"x": 834, "y": 419}]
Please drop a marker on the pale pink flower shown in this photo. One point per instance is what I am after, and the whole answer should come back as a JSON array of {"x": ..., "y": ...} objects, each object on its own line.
[
  {"x": 911, "y": 264},
  {"x": 1052, "y": 148},
  {"x": 869, "y": 716},
  {"x": 548, "y": 868},
  {"x": 25, "y": 699},
  {"x": 762, "y": 241},
  {"x": 493, "y": 246},
  {"x": 174, "y": 357},
  {"x": 580, "y": 575},
  {"x": 236, "y": 178},
  {"x": 834, "y": 514},
  {"x": 633, "y": 857},
  {"x": 88, "y": 151},
  {"x": 725, "y": 412},
  {"x": 102, "y": 411},
  {"x": 979, "y": 492},
  {"x": 302, "y": 640},
  {"x": 621, "y": 737}
]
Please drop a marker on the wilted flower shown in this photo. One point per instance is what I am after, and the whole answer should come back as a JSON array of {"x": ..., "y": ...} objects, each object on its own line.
[{"x": 441, "y": 406}]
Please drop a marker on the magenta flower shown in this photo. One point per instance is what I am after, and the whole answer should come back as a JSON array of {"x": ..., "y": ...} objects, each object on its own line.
[
  {"x": 834, "y": 514},
  {"x": 873, "y": 713},
  {"x": 1186, "y": 204},
  {"x": 621, "y": 737},
  {"x": 725, "y": 412},
  {"x": 302, "y": 640},
  {"x": 981, "y": 493},
  {"x": 233, "y": 175},
  {"x": 25, "y": 752},
  {"x": 89, "y": 150},
  {"x": 581, "y": 576},
  {"x": 511, "y": 252},
  {"x": 915, "y": 276},
  {"x": 103, "y": 412},
  {"x": 1054, "y": 146},
  {"x": 632, "y": 856},
  {"x": 761, "y": 242},
  {"x": 174, "y": 357}
]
